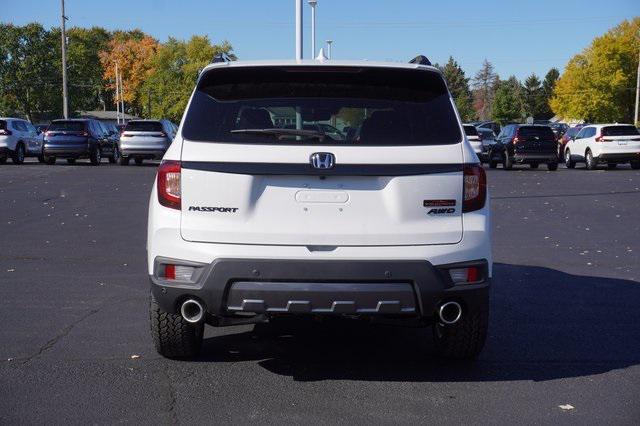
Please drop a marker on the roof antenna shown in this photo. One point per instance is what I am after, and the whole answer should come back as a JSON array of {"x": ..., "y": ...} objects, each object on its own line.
[{"x": 420, "y": 60}]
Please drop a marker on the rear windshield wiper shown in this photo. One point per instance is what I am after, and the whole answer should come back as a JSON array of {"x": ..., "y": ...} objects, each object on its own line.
[{"x": 282, "y": 133}]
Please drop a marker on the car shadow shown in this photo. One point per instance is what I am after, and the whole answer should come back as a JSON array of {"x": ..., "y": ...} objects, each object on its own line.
[{"x": 545, "y": 325}]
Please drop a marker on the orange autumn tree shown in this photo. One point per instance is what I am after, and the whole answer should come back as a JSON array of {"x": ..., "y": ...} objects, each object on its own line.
[{"x": 133, "y": 53}]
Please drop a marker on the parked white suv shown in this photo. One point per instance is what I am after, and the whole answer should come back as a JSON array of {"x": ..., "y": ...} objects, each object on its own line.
[
  {"x": 250, "y": 220},
  {"x": 610, "y": 144},
  {"x": 19, "y": 139}
]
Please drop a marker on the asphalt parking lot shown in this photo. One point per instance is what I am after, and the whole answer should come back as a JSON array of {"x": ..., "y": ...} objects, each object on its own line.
[{"x": 75, "y": 345}]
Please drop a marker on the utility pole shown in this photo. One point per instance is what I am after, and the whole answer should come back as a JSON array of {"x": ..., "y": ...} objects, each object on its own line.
[
  {"x": 329, "y": 48},
  {"x": 313, "y": 4},
  {"x": 117, "y": 97},
  {"x": 122, "y": 99},
  {"x": 65, "y": 94},
  {"x": 635, "y": 116},
  {"x": 298, "y": 29}
]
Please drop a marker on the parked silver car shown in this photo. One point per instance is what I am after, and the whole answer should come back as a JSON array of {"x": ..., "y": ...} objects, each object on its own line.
[{"x": 145, "y": 139}]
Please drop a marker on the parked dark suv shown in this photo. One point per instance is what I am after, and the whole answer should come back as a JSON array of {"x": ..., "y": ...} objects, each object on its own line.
[
  {"x": 78, "y": 138},
  {"x": 525, "y": 144}
]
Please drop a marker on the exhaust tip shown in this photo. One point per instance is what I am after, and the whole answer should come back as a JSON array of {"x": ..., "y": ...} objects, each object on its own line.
[
  {"x": 192, "y": 311},
  {"x": 450, "y": 313}
]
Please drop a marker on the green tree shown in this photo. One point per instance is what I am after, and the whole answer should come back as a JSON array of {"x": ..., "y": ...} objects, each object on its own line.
[
  {"x": 598, "y": 84},
  {"x": 484, "y": 85},
  {"x": 26, "y": 85},
  {"x": 533, "y": 97},
  {"x": 459, "y": 87},
  {"x": 508, "y": 105},
  {"x": 548, "y": 85},
  {"x": 173, "y": 72}
]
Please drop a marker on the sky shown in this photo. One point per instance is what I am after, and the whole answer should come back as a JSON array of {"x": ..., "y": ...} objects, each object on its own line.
[{"x": 518, "y": 37}]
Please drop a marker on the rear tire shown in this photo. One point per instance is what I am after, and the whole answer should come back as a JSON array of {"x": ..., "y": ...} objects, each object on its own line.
[
  {"x": 635, "y": 165},
  {"x": 590, "y": 162},
  {"x": 50, "y": 160},
  {"x": 123, "y": 161},
  {"x": 172, "y": 335},
  {"x": 40, "y": 158},
  {"x": 568, "y": 161},
  {"x": 464, "y": 339},
  {"x": 3, "y": 160},
  {"x": 507, "y": 162},
  {"x": 95, "y": 157},
  {"x": 138, "y": 161},
  {"x": 552, "y": 166},
  {"x": 115, "y": 156},
  {"x": 534, "y": 165},
  {"x": 18, "y": 155},
  {"x": 612, "y": 166},
  {"x": 71, "y": 160}
]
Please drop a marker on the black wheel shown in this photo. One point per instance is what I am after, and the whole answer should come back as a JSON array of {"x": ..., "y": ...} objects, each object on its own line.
[
  {"x": 591, "y": 162},
  {"x": 464, "y": 339},
  {"x": 635, "y": 165},
  {"x": 534, "y": 165},
  {"x": 71, "y": 160},
  {"x": 3, "y": 160},
  {"x": 41, "y": 158},
  {"x": 172, "y": 335},
  {"x": 612, "y": 166},
  {"x": 507, "y": 162},
  {"x": 50, "y": 160},
  {"x": 568, "y": 161},
  {"x": 115, "y": 156},
  {"x": 138, "y": 161},
  {"x": 123, "y": 161},
  {"x": 560, "y": 154},
  {"x": 95, "y": 157},
  {"x": 552, "y": 166},
  {"x": 18, "y": 155}
]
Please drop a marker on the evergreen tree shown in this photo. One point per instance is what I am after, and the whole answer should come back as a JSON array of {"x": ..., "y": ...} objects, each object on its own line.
[
  {"x": 533, "y": 97},
  {"x": 484, "y": 85},
  {"x": 508, "y": 105},
  {"x": 459, "y": 87},
  {"x": 548, "y": 84}
]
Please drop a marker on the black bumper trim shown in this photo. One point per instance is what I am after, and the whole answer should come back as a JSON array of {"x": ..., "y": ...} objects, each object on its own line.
[{"x": 430, "y": 284}]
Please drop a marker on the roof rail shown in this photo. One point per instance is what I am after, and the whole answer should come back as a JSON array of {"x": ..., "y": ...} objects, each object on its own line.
[{"x": 420, "y": 60}]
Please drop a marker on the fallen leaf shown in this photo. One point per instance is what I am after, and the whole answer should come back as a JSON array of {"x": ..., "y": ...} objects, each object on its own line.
[
  {"x": 135, "y": 356},
  {"x": 566, "y": 407}
]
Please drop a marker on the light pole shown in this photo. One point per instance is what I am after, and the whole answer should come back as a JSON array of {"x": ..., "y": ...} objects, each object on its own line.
[
  {"x": 329, "y": 48},
  {"x": 313, "y": 4},
  {"x": 298, "y": 29},
  {"x": 65, "y": 95}
]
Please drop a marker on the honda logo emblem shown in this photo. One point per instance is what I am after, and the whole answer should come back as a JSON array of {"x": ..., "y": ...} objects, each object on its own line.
[{"x": 323, "y": 160}]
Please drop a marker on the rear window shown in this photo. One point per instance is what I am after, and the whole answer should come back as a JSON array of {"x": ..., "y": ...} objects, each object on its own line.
[
  {"x": 540, "y": 132},
  {"x": 143, "y": 126},
  {"x": 69, "y": 126},
  {"x": 470, "y": 130},
  {"x": 294, "y": 105},
  {"x": 619, "y": 131}
]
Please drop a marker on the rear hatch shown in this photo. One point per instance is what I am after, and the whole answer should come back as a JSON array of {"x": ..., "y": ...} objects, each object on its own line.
[
  {"x": 249, "y": 178},
  {"x": 621, "y": 137},
  {"x": 67, "y": 132},
  {"x": 144, "y": 134},
  {"x": 535, "y": 140}
]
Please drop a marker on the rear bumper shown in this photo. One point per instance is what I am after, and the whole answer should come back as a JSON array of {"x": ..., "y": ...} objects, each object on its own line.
[
  {"x": 155, "y": 154},
  {"x": 66, "y": 151},
  {"x": 535, "y": 158},
  {"x": 619, "y": 157},
  {"x": 412, "y": 288}
]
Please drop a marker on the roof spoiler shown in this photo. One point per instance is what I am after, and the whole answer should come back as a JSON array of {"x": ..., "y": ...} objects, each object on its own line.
[{"x": 420, "y": 60}]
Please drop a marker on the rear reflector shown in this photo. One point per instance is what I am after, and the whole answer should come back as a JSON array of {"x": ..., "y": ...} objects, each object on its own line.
[
  {"x": 474, "y": 188},
  {"x": 178, "y": 272},
  {"x": 464, "y": 275},
  {"x": 169, "y": 174}
]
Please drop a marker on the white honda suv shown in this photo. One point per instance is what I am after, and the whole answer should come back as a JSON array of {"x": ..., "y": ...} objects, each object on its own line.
[
  {"x": 257, "y": 214},
  {"x": 609, "y": 144}
]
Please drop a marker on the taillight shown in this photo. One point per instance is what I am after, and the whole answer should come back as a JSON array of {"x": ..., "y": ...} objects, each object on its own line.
[
  {"x": 474, "y": 188},
  {"x": 465, "y": 275},
  {"x": 5, "y": 132},
  {"x": 169, "y": 184},
  {"x": 599, "y": 138},
  {"x": 163, "y": 134},
  {"x": 515, "y": 140},
  {"x": 85, "y": 134}
]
